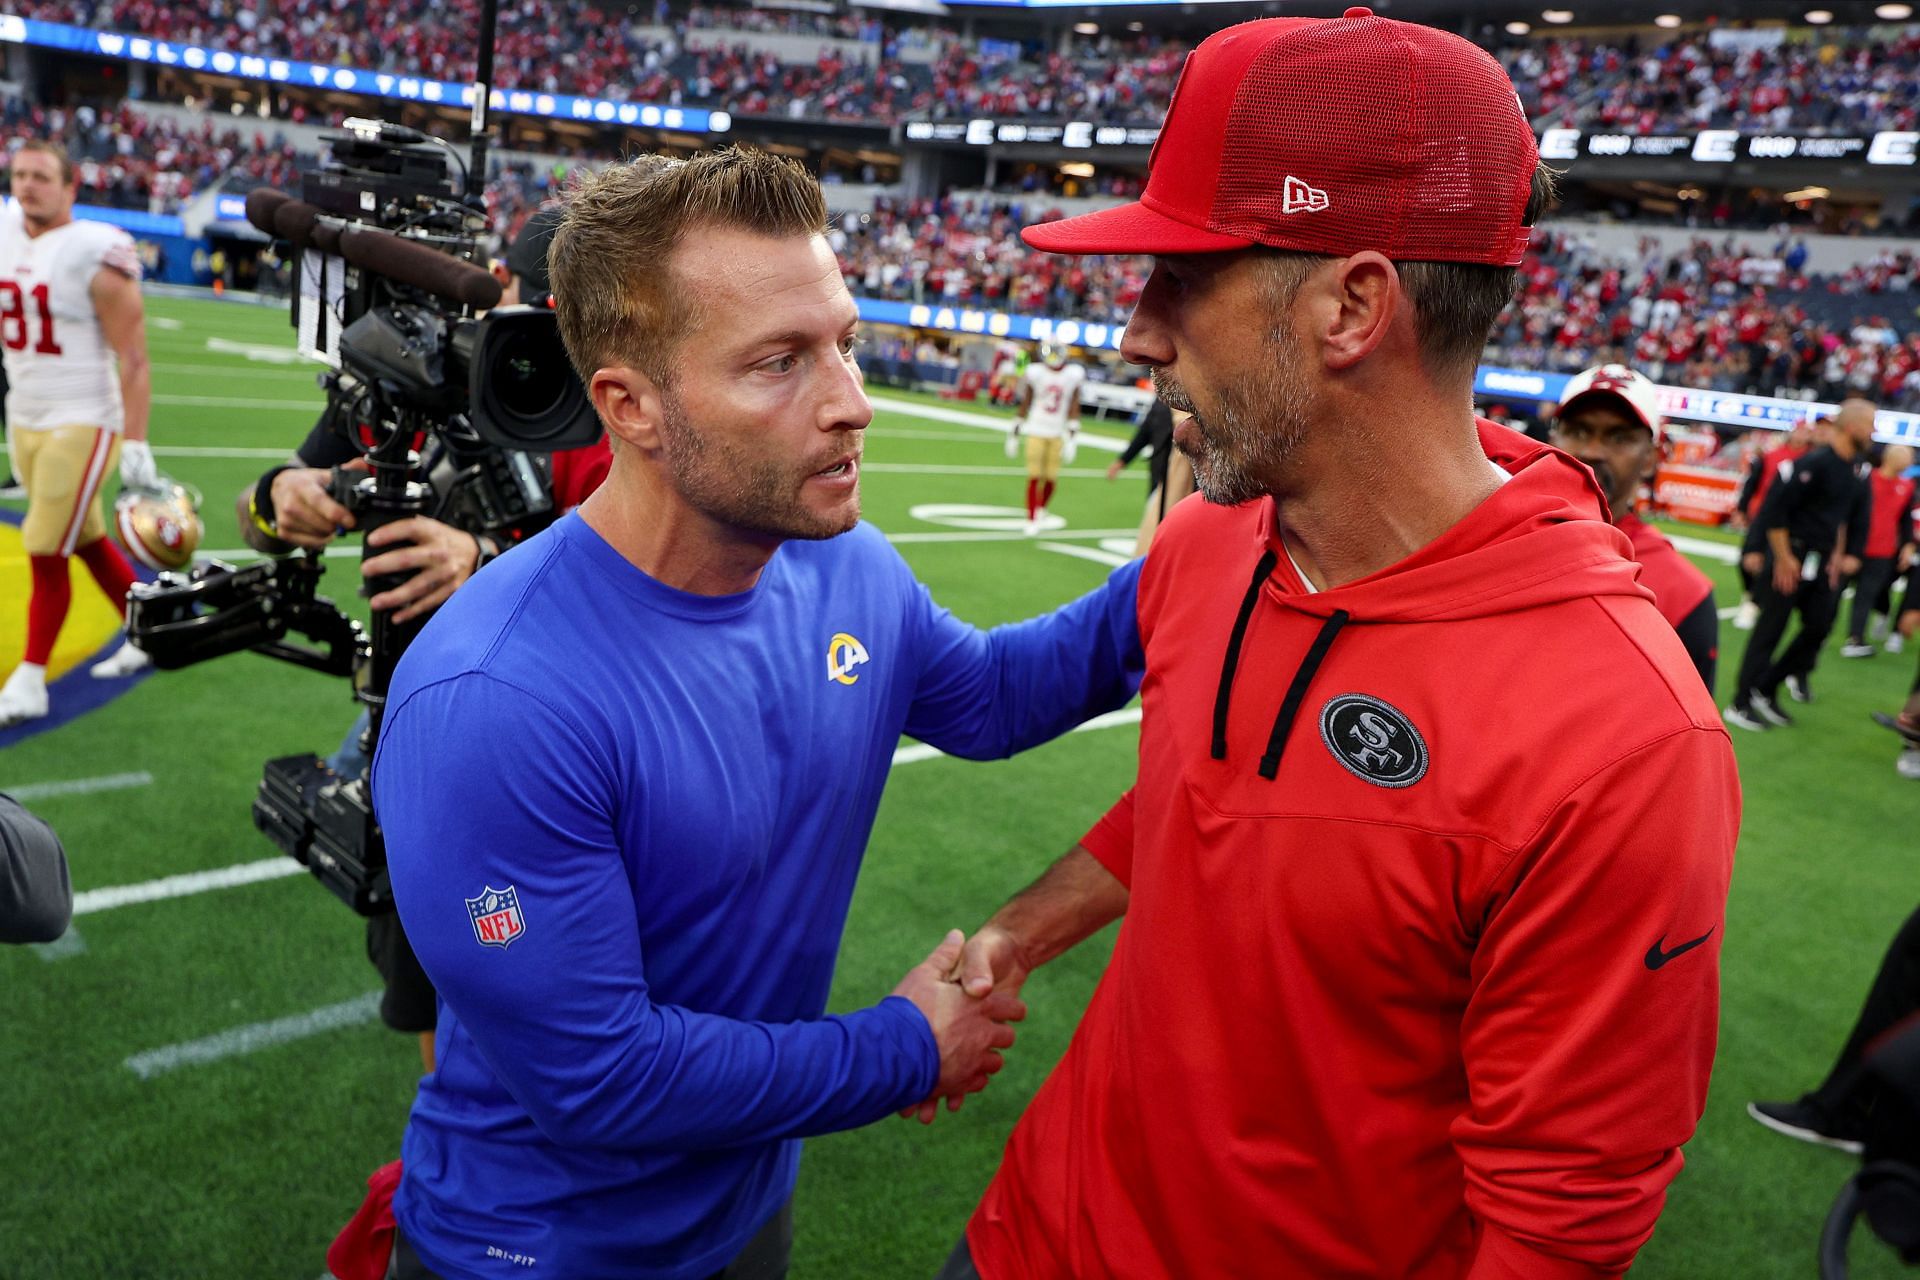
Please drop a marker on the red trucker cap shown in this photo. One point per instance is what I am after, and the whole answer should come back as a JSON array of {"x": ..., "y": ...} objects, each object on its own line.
[{"x": 1330, "y": 136}]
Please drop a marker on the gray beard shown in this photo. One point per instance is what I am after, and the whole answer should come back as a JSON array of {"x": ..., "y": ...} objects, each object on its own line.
[{"x": 1240, "y": 446}]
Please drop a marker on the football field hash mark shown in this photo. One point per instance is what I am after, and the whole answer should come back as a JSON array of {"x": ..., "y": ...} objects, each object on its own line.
[
  {"x": 78, "y": 786},
  {"x": 255, "y": 1037}
]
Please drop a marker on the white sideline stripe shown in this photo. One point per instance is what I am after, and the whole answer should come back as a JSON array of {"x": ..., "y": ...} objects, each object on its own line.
[
  {"x": 1725, "y": 553},
  {"x": 185, "y": 886},
  {"x": 78, "y": 786},
  {"x": 1094, "y": 554},
  {"x": 220, "y": 371},
  {"x": 255, "y": 1036}
]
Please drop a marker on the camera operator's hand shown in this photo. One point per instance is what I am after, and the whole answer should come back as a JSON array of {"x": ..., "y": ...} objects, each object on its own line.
[
  {"x": 439, "y": 556},
  {"x": 303, "y": 507}
]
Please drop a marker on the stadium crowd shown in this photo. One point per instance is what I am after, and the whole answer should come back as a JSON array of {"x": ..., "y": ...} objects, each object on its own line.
[
  {"x": 1829, "y": 80},
  {"x": 1718, "y": 319},
  {"x": 132, "y": 161},
  {"x": 1837, "y": 82}
]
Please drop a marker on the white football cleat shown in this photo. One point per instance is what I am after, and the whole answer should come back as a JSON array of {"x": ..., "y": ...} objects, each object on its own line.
[
  {"x": 127, "y": 660},
  {"x": 1746, "y": 615},
  {"x": 1908, "y": 765},
  {"x": 24, "y": 696}
]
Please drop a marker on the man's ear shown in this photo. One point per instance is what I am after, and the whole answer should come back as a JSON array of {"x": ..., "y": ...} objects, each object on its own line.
[
  {"x": 1365, "y": 300},
  {"x": 629, "y": 404}
]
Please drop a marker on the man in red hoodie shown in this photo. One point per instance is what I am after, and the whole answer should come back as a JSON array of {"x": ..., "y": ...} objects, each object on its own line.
[
  {"x": 1425, "y": 867},
  {"x": 1610, "y": 419}
]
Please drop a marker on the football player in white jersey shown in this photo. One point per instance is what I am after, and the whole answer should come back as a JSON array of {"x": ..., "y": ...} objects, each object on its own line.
[
  {"x": 1049, "y": 418},
  {"x": 70, "y": 310}
]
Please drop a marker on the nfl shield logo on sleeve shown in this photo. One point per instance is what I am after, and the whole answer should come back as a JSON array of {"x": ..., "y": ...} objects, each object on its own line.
[{"x": 496, "y": 916}]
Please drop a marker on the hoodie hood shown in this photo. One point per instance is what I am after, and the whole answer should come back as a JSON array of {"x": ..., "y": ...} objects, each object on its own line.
[{"x": 1541, "y": 538}]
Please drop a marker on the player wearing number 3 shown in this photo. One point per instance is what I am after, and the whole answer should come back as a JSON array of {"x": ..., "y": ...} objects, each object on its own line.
[
  {"x": 69, "y": 305},
  {"x": 1049, "y": 419}
]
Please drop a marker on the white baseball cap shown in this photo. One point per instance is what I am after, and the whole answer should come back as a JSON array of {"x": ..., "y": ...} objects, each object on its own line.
[{"x": 1635, "y": 390}]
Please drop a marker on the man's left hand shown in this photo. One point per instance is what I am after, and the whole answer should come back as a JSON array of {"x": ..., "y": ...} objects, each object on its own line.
[
  {"x": 137, "y": 468},
  {"x": 439, "y": 556}
]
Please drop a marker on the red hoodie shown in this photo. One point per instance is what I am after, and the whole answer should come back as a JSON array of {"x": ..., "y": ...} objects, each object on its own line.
[{"x": 1419, "y": 974}]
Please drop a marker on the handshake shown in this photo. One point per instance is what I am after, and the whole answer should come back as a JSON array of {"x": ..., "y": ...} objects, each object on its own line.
[{"x": 969, "y": 992}]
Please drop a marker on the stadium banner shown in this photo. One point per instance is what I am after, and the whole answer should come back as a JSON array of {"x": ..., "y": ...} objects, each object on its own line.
[
  {"x": 383, "y": 84},
  {"x": 1725, "y": 146},
  {"x": 1697, "y": 495},
  {"x": 994, "y": 324},
  {"x": 1074, "y": 134},
  {"x": 1695, "y": 405}
]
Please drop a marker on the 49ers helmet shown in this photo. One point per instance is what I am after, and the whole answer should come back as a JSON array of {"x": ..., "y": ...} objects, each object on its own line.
[{"x": 160, "y": 526}]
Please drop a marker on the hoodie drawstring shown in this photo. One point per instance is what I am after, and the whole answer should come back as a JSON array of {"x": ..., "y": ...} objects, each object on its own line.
[
  {"x": 1297, "y": 693},
  {"x": 1232, "y": 664}
]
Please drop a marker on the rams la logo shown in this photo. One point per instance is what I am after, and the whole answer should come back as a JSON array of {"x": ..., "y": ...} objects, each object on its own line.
[
  {"x": 844, "y": 653},
  {"x": 496, "y": 916}
]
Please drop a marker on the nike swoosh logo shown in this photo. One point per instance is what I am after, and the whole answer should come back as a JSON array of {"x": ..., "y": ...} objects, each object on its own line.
[{"x": 1656, "y": 957}]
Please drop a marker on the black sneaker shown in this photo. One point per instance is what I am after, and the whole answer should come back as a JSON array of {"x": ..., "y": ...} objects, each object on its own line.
[
  {"x": 1807, "y": 1123},
  {"x": 1741, "y": 716},
  {"x": 1770, "y": 711},
  {"x": 1798, "y": 689}
]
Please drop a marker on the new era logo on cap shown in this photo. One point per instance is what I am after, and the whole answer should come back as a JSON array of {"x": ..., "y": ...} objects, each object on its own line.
[{"x": 1298, "y": 197}]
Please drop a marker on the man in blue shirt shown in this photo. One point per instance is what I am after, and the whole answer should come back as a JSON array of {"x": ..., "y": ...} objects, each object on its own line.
[{"x": 628, "y": 773}]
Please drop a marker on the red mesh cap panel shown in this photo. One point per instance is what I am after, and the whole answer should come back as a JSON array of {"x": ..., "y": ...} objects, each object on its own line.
[{"x": 1367, "y": 134}]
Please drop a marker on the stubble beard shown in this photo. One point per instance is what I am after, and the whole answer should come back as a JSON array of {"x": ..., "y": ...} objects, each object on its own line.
[
  {"x": 1240, "y": 446},
  {"x": 759, "y": 496}
]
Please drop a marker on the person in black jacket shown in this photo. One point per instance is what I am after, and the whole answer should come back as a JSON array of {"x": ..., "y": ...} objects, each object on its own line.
[{"x": 1806, "y": 540}]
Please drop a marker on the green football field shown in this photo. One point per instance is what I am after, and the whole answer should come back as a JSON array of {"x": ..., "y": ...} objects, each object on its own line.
[{"x": 195, "y": 1083}]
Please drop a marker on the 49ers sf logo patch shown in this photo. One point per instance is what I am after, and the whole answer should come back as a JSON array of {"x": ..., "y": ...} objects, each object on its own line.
[{"x": 1373, "y": 740}]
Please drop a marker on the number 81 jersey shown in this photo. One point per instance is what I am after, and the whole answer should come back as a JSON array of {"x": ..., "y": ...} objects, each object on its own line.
[{"x": 60, "y": 370}]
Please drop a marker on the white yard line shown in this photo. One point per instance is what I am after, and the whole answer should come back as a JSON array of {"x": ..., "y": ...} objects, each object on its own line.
[
  {"x": 936, "y": 413},
  {"x": 1724, "y": 552},
  {"x": 78, "y": 786},
  {"x": 254, "y": 1037},
  {"x": 185, "y": 886},
  {"x": 1094, "y": 554}
]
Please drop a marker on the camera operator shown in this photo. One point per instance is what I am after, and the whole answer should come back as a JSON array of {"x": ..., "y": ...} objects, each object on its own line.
[{"x": 292, "y": 506}]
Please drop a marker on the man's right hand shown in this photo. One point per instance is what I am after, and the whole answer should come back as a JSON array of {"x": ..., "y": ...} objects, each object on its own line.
[
  {"x": 1786, "y": 575},
  {"x": 969, "y": 1031},
  {"x": 1114, "y": 469},
  {"x": 303, "y": 507},
  {"x": 1752, "y": 561}
]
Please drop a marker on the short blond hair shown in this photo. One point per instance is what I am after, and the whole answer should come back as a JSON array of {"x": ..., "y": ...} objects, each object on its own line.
[
  {"x": 613, "y": 286},
  {"x": 54, "y": 149}
]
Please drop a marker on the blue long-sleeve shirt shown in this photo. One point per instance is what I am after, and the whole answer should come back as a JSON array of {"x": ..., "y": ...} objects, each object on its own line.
[{"x": 677, "y": 791}]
